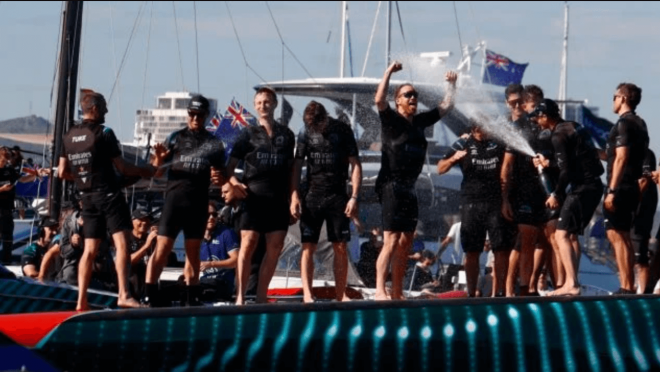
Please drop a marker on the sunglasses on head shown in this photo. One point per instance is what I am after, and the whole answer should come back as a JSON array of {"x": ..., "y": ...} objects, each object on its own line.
[{"x": 410, "y": 94}]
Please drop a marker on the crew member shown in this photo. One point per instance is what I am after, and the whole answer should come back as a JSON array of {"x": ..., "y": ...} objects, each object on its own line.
[
  {"x": 34, "y": 254},
  {"x": 90, "y": 156},
  {"x": 641, "y": 231},
  {"x": 626, "y": 149},
  {"x": 329, "y": 147},
  {"x": 403, "y": 155},
  {"x": 580, "y": 167},
  {"x": 267, "y": 150},
  {"x": 193, "y": 158}
]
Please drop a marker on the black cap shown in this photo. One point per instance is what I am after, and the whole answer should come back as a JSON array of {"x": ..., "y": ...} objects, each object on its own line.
[
  {"x": 199, "y": 103},
  {"x": 140, "y": 213},
  {"x": 48, "y": 222},
  {"x": 547, "y": 107}
]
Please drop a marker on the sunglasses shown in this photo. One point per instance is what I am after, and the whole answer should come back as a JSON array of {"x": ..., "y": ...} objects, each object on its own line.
[
  {"x": 213, "y": 214},
  {"x": 614, "y": 98},
  {"x": 515, "y": 102},
  {"x": 199, "y": 114},
  {"x": 410, "y": 94}
]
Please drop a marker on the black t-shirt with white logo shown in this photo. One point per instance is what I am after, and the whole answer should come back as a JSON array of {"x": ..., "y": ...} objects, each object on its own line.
[
  {"x": 631, "y": 132},
  {"x": 192, "y": 154},
  {"x": 8, "y": 175},
  {"x": 481, "y": 169},
  {"x": 267, "y": 160},
  {"x": 524, "y": 175},
  {"x": 327, "y": 156},
  {"x": 90, "y": 149},
  {"x": 403, "y": 145}
]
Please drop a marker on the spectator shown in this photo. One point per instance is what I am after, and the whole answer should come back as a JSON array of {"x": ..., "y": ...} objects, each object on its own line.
[
  {"x": 141, "y": 247},
  {"x": 34, "y": 254},
  {"x": 369, "y": 252},
  {"x": 219, "y": 256}
]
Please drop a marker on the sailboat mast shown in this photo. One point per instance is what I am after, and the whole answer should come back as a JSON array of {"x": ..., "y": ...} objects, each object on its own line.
[
  {"x": 66, "y": 94},
  {"x": 564, "y": 65},
  {"x": 342, "y": 57}
]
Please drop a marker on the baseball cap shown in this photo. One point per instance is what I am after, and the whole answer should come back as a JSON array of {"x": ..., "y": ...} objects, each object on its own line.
[
  {"x": 547, "y": 107},
  {"x": 139, "y": 213},
  {"x": 48, "y": 222},
  {"x": 199, "y": 103}
]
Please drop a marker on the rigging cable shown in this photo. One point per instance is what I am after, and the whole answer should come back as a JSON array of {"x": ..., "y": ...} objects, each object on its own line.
[
  {"x": 146, "y": 63},
  {"x": 403, "y": 36},
  {"x": 114, "y": 57},
  {"x": 371, "y": 38},
  {"x": 196, "y": 45},
  {"x": 82, "y": 47},
  {"x": 458, "y": 29},
  {"x": 178, "y": 45},
  {"x": 476, "y": 25},
  {"x": 128, "y": 47}
]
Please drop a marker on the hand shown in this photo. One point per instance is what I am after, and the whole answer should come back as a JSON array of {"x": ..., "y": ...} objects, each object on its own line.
[
  {"x": 294, "y": 209},
  {"x": 552, "y": 202},
  {"x": 205, "y": 265},
  {"x": 358, "y": 224},
  {"x": 351, "y": 208},
  {"x": 608, "y": 203},
  {"x": 217, "y": 178},
  {"x": 459, "y": 155},
  {"x": 540, "y": 160},
  {"x": 395, "y": 67},
  {"x": 44, "y": 172},
  {"x": 6, "y": 187},
  {"x": 153, "y": 234},
  {"x": 465, "y": 135},
  {"x": 160, "y": 153},
  {"x": 415, "y": 256},
  {"x": 451, "y": 77},
  {"x": 655, "y": 175},
  {"x": 75, "y": 240},
  {"x": 507, "y": 211},
  {"x": 235, "y": 192}
]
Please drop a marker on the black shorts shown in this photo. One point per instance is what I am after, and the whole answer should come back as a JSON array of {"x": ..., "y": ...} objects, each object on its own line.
[
  {"x": 103, "y": 213},
  {"x": 184, "y": 213},
  {"x": 477, "y": 219},
  {"x": 317, "y": 209},
  {"x": 400, "y": 210},
  {"x": 265, "y": 214},
  {"x": 528, "y": 206},
  {"x": 578, "y": 209},
  {"x": 626, "y": 201}
]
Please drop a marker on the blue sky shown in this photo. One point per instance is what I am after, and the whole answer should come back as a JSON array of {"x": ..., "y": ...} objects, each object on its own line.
[{"x": 610, "y": 42}]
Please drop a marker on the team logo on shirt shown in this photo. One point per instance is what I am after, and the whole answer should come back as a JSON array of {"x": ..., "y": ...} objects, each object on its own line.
[{"x": 279, "y": 140}]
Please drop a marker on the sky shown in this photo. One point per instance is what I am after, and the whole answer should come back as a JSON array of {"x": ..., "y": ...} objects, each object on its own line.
[{"x": 609, "y": 43}]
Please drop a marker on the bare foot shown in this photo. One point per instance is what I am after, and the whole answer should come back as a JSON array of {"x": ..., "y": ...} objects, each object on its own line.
[
  {"x": 345, "y": 299},
  {"x": 129, "y": 303},
  {"x": 381, "y": 297},
  {"x": 82, "y": 307},
  {"x": 309, "y": 300},
  {"x": 566, "y": 290}
]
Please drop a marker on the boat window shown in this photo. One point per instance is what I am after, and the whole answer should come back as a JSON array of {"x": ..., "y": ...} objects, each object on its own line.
[
  {"x": 181, "y": 103},
  {"x": 164, "y": 103}
]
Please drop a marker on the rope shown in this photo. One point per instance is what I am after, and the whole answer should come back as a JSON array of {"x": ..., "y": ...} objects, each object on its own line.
[
  {"x": 403, "y": 36},
  {"x": 196, "y": 45},
  {"x": 371, "y": 39},
  {"x": 284, "y": 44},
  {"x": 57, "y": 63},
  {"x": 128, "y": 47},
  {"x": 146, "y": 62},
  {"x": 176, "y": 29},
  {"x": 247, "y": 65},
  {"x": 458, "y": 29},
  {"x": 114, "y": 58}
]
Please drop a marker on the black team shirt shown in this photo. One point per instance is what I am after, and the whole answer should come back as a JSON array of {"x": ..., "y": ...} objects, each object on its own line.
[
  {"x": 8, "y": 175},
  {"x": 481, "y": 169},
  {"x": 89, "y": 149},
  {"x": 192, "y": 154},
  {"x": 327, "y": 156},
  {"x": 630, "y": 131},
  {"x": 267, "y": 160},
  {"x": 576, "y": 157},
  {"x": 403, "y": 146},
  {"x": 524, "y": 176}
]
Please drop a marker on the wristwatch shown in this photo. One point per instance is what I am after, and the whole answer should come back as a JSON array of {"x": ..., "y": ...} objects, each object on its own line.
[{"x": 610, "y": 191}]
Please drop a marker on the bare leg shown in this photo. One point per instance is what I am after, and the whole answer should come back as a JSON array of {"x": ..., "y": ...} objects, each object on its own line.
[
  {"x": 191, "y": 268},
  {"x": 500, "y": 269},
  {"x": 158, "y": 260},
  {"x": 274, "y": 245},
  {"x": 399, "y": 263},
  {"x": 85, "y": 271},
  {"x": 571, "y": 285},
  {"x": 556, "y": 267},
  {"x": 528, "y": 236},
  {"x": 643, "y": 277},
  {"x": 341, "y": 270},
  {"x": 123, "y": 267},
  {"x": 249, "y": 240},
  {"x": 307, "y": 270},
  {"x": 512, "y": 273},
  {"x": 390, "y": 242},
  {"x": 623, "y": 252},
  {"x": 576, "y": 249},
  {"x": 472, "y": 272}
]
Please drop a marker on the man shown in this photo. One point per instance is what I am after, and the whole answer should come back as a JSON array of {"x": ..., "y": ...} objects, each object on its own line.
[
  {"x": 641, "y": 231},
  {"x": 580, "y": 167},
  {"x": 194, "y": 159},
  {"x": 419, "y": 274},
  {"x": 9, "y": 176},
  {"x": 480, "y": 160},
  {"x": 141, "y": 248},
  {"x": 218, "y": 255},
  {"x": 403, "y": 156},
  {"x": 34, "y": 254},
  {"x": 90, "y": 156},
  {"x": 267, "y": 151},
  {"x": 625, "y": 151},
  {"x": 522, "y": 195},
  {"x": 369, "y": 252},
  {"x": 328, "y": 146}
]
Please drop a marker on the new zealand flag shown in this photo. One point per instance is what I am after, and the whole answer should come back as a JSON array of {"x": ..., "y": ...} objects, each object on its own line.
[
  {"x": 502, "y": 71},
  {"x": 599, "y": 128},
  {"x": 235, "y": 119}
]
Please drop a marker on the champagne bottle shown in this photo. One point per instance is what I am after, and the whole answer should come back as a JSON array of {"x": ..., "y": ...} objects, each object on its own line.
[{"x": 546, "y": 181}]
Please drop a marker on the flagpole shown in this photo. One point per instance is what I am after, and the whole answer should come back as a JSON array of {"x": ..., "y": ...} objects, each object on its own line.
[{"x": 564, "y": 65}]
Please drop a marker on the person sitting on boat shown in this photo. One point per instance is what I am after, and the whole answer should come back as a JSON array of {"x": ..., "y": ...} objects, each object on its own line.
[
  {"x": 90, "y": 156},
  {"x": 403, "y": 155},
  {"x": 218, "y": 255},
  {"x": 141, "y": 248},
  {"x": 34, "y": 253},
  {"x": 369, "y": 252},
  {"x": 328, "y": 146},
  {"x": 267, "y": 150},
  {"x": 419, "y": 275},
  {"x": 194, "y": 158}
]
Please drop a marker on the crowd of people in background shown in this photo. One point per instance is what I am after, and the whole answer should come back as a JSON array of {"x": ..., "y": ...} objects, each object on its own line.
[{"x": 523, "y": 211}]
